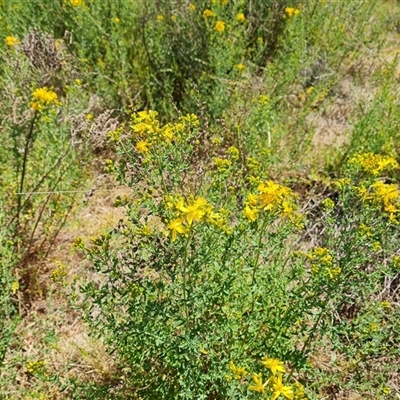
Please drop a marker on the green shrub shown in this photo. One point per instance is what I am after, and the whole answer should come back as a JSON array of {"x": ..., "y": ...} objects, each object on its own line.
[{"x": 203, "y": 274}]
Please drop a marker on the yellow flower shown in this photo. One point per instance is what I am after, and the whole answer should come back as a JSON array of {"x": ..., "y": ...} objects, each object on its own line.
[
  {"x": 176, "y": 226},
  {"x": 208, "y": 13},
  {"x": 251, "y": 213},
  {"x": 374, "y": 163},
  {"x": 274, "y": 365},
  {"x": 14, "y": 287},
  {"x": 333, "y": 273},
  {"x": 258, "y": 384},
  {"x": 279, "y": 389},
  {"x": 240, "y": 17},
  {"x": 234, "y": 153},
  {"x": 76, "y": 3},
  {"x": 11, "y": 41},
  {"x": 263, "y": 99},
  {"x": 36, "y": 367},
  {"x": 192, "y": 7},
  {"x": 160, "y": 18},
  {"x": 386, "y": 304},
  {"x": 195, "y": 211},
  {"x": 142, "y": 146},
  {"x": 240, "y": 67},
  {"x": 252, "y": 199},
  {"x": 43, "y": 96},
  {"x": 272, "y": 194},
  {"x": 222, "y": 164},
  {"x": 291, "y": 11},
  {"x": 219, "y": 26},
  {"x": 89, "y": 117},
  {"x": 238, "y": 372},
  {"x": 116, "y": 20}
]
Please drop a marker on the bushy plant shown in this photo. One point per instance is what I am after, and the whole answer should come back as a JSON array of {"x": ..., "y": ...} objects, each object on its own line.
[{"x": 203, "y": 273}]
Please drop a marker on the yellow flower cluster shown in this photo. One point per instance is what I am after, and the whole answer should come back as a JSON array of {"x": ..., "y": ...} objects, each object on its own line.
[
  {"x": 383, "y": 193},
  {"x": 36, "y": 367},
  {"x": 196, "y": 210},
  {"x": 374, "y": 164},
  {"x": 274, "y": 385},
  {"x": 240, "y": 17},
  {"x": 233, "y": 153},
  {"x": 322, "y": 260},
  {"x": 219, "y": 26},
  {"x": 43, "y": 97},
  {"x": 76, "y": 3},
  {"x": 291, "y": 11},
  {"x": 11, "y": 41},
  {"x": 238, "y": 372},
  {"x": 271, "y": 197},
  {"x": 146, "y": 128},
  {"x": 222, "y": 164},
  {"x": 208, "y": 13}
]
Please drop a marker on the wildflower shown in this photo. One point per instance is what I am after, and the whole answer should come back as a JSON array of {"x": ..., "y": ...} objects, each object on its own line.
[
  {"x": 116, "y": 20},
  {"x": 36, "y": 367},
  {"x": 240, "y": 67},
  {"x": 238, "y": 372},
  {"x": 274, "y": 365},
  {"x": 216, "y": 219},
  {"x": 234, "y": 153},
  {"x": 160, "y": 18},
  {"x": 387, "y": 390},
  {"x": 222, "y": 164},
  {"x": 376, "y": 246},
  {"x": 219, "y": 26},
  {"x": 272, "y": 194},
  {"x": 374, "y": 164},
  {"x": 11, "y": 41},
  {"x": 287, "y": 209},
  {"x": 387, "y": 193},
  {"x": 195, "y": 211},
  {"x": 279, "y": 389},
  {"x": 14, "y": 287},
  {"x": 208, "y": 13},
  {"x": 192, "y": 7},
  {"x": 142, "y": 146},
  {"x": 240, "y": 17},
  {"x": 43, "y": 96},
  {"x": 145, "y": 230},
  {"x": 76, "y": 3},
  {"x": 263, "y": 99},
  {"x": 342, "y": 183},
  {"x": 252, "y": 199},
  {"x": 299, "y": 391},
  {"x": 328, "y": 204},
  {"x": 252, "y": 163},
  {"x": 333, "y": 273},
  {"x": 291, "y": 11},
  {"x": 386, "y": 304},
  {"x": 258, "y": 384},
  {"x": 176, "y": 226},
  {"x": 251, "y": 213}
]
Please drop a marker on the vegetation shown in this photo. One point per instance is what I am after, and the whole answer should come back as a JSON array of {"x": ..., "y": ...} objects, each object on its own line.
[{"x": 199, "y": 200}]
